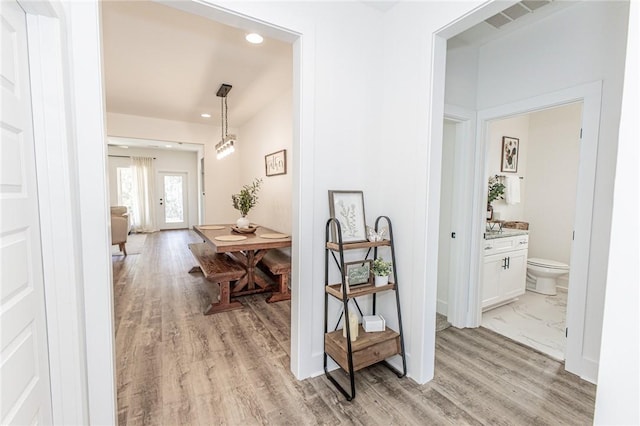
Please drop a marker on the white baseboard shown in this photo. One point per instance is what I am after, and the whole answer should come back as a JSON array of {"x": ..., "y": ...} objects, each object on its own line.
[
  {"x": 442, "y": 307},
  {"x": 589, "y": 371}
]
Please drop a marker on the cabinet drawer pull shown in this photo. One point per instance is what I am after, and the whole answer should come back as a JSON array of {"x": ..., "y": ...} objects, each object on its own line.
[
  {"x": 488, "y": 248},
  {"x": 523, "y": 242}
]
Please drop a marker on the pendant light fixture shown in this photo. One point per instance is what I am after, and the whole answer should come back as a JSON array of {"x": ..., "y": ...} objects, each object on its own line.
[{"x": 227, "y": 141}]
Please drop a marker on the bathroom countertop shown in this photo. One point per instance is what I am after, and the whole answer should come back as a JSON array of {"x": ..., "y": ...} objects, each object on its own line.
[{"x": 506, "y": 232}]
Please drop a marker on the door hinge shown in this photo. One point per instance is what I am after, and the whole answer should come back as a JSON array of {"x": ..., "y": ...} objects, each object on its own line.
[
  {"x": 580, "y": 133},
  {"x": 566, "y": 332},
  {"x": 573, "y": 236}
]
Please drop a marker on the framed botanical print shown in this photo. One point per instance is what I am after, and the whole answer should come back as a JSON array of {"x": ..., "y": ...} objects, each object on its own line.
[
  {"x": 348, "y": 208},
  {"x": 510, "y": 151}
]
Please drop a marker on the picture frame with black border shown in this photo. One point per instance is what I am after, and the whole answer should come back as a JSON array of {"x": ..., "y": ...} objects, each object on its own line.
[
  {"x": 276, "y": 163},
  {"x": 358, "y": 273},
  {"x": 510, "y": 152}
]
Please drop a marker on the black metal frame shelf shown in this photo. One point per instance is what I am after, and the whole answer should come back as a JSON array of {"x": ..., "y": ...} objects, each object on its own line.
[{"x": 376, "y": 347}]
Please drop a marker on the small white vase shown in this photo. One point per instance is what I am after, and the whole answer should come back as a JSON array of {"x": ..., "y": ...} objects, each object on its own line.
[
  {"x": 243, "y": 222},
  {"x": 380, "y": 281}
]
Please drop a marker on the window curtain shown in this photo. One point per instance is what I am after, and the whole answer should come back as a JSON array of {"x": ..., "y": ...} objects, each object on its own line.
[{"x": 144, "y": 215}]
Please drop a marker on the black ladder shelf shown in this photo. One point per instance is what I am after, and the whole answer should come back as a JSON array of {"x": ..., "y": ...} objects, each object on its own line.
[{"x": 369, "y": 348}]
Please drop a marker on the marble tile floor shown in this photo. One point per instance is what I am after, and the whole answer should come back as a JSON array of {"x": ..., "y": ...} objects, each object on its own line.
[{"x": 535, "y": 320}]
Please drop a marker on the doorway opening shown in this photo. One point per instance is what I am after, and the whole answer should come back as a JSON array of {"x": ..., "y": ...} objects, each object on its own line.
[
  {"x": 220, "y": 175},
  {"x": 469, "y": 291},
  {"x": 514, "y": 303}
]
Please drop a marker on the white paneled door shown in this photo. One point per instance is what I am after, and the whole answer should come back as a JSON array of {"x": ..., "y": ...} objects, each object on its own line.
[
  {"x": 25, "y": 394},
  {"x": 173, "y": 200}
]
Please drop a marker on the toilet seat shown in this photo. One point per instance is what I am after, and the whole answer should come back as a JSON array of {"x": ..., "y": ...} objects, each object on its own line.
[{"x": 546, "y": 263}]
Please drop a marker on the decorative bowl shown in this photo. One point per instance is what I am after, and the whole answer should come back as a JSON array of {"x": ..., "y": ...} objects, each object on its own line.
[{"x": 250, "y": 230}]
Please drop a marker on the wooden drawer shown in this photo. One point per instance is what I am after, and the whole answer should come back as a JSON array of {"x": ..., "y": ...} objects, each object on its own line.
[{"x": 368, "y": 349}]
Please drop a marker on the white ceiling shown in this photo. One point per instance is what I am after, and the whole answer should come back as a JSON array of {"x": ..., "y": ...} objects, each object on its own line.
[{"x": 164, "y": 63}]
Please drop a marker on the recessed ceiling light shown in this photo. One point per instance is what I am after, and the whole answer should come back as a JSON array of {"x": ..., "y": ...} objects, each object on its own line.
[
  {"x": 205, "y": 115},
  {"x": 254, "y": 38},
  {"x": 168, "y": 146}
]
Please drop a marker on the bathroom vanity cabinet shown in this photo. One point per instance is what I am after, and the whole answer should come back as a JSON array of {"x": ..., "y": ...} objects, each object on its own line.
[{"x": 505, "y": 268}]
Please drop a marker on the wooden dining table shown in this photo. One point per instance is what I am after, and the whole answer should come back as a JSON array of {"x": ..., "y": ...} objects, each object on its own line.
[{"x": 247, "y": 251}]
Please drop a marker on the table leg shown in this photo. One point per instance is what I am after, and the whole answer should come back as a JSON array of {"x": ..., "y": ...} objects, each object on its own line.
[
  {"x": 224, "y": 304},
  {"x": 251, "y": 279},
  {"x": 283, "y": 290},
  {"x": 251, "y": 265}
]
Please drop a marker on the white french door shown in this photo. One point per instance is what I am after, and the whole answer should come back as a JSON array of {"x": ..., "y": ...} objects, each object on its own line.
[
  {"x": 25, "y": 395},
  {"x": 172, "y": 200}
]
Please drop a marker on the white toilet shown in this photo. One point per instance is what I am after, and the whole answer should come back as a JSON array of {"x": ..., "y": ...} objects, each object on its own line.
[{"x": 543, "y": 273}]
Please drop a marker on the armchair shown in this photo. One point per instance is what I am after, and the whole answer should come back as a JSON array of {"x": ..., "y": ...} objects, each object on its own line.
[{"x": 119, "y": 227}]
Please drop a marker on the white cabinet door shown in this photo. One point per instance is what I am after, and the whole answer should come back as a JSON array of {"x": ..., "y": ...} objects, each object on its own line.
[
  {"x": 25, "y": 396},
  {"x": 514, "y": 278},
  {"x": 505, "y": 273},
  {"x": 493, "y": 267}
]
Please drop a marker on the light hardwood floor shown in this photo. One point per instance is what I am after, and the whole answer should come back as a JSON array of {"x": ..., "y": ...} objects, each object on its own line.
[{"x": 175, "y": 366}]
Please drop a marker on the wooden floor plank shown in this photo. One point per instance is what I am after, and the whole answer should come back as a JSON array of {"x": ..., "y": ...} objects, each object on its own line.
[{"x": 175, "y": 366}]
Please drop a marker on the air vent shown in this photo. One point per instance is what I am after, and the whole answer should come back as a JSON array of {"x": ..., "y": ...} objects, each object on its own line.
[
  {"x": 535, "y": 4},
  {"x": 516, "y": 11},
  {"x": 498, "y": 20}
]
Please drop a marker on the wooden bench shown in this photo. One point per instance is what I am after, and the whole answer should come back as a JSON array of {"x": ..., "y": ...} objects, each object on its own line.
[
  {"x": 279, "y": 264},
  {"x": 220, "y": 269}
]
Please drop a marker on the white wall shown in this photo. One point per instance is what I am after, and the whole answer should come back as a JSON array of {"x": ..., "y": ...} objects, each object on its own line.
[
  {"x": 515, "y": 127},
  {"x": 618, "y": 390},
  {"x": 165, "y": 161},
  {"x": 551, "y": 180},
  {"x": 462, "y": 77},
  {"x": 270, "y": 130},
  {"x": 411, "y": 163},
  {"x": 446, "y": 205},
  {"x": 544, "y": 57}
]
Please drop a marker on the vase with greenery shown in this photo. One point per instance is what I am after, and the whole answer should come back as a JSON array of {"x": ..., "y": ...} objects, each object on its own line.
[
  {"x": 381, "y": 271},
  {"x": 245, "y": 200},
  {"x": 495, "y": 192}
]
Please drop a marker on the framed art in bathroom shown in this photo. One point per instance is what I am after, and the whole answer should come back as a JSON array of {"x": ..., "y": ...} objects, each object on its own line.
[{"x": 510, "y": 151}]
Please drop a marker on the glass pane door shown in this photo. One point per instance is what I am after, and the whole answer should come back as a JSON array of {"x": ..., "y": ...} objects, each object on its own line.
[{"x": 173, "y": 200}]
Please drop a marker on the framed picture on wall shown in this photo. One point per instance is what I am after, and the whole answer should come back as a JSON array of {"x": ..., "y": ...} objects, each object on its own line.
[
  {"x": 510, "y": 151},
  {"x": 348, "y": 208},
  {"x": 276, "y": 163}
]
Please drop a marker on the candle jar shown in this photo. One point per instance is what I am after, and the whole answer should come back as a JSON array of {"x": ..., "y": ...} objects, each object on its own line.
[{"x": 351, "y": 321}]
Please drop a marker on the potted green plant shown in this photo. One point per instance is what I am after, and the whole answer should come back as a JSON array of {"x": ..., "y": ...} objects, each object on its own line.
[
  {"x": 381, "y": 271},
  {"x": 245, "y": 200},
  {"x": 495, "y": 192}
]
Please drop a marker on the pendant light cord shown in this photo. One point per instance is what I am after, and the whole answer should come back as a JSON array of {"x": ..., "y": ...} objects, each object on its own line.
[
  {"x": 222, "y": 117},
  {"x": 226, "y": 118}
]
